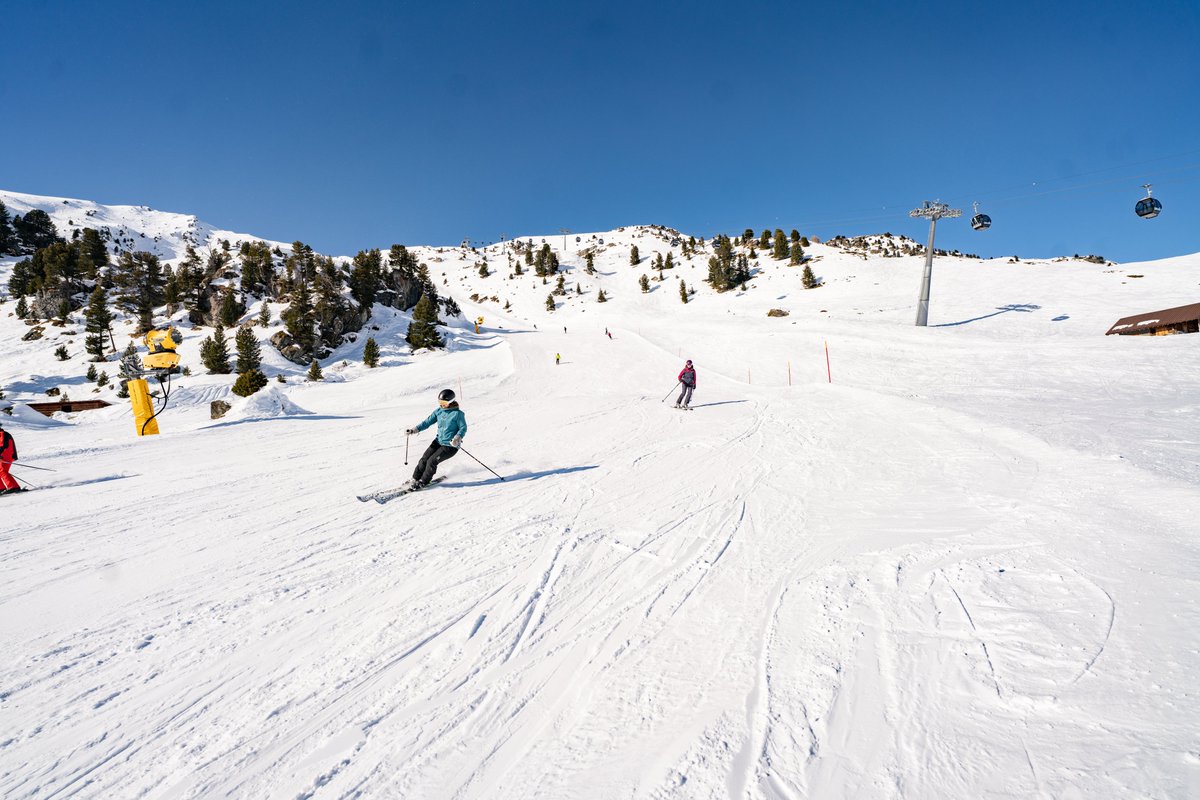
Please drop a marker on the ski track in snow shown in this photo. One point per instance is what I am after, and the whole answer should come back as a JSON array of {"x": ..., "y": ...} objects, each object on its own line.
[{"x": 904, "y": 585}]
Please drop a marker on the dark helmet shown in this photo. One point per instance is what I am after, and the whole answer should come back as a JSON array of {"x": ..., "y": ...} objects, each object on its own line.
[{"x": 445, "y": 395}]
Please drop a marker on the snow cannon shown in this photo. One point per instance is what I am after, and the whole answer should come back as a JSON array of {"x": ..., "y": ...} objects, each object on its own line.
[
  {"x": 162, "y": 342},
  {"x": 161, "y": 362}
]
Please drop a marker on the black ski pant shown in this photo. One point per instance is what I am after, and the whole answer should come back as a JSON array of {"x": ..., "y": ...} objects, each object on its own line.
[{"x": 434, "y": 455}]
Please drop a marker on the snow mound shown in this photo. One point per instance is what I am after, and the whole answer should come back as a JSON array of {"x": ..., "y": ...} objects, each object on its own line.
[
  {"x": 25, "y": 417},
  {"x": 266, "y": 403}
]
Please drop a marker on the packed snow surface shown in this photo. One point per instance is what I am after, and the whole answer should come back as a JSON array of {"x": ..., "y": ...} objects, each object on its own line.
[{"x": 965, "y": 568}]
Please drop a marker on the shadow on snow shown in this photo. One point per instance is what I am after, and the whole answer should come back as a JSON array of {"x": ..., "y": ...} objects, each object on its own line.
[
  {"x": 306, "y": 417},
  {"x": 1023, "y": 307},
  {"x": 521, "y": 476}
]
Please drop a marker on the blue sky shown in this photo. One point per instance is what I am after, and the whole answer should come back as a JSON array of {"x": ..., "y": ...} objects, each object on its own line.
[{"x": 358, "y": 124}]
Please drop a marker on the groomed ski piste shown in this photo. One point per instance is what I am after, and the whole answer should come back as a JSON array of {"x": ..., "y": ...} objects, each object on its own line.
[{"x": 965, "y": 568}]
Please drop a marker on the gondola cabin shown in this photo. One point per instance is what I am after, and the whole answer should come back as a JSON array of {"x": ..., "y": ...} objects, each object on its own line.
[
  {"x": 1148, "y": 207},
  {"x": 980, "y": 222}
]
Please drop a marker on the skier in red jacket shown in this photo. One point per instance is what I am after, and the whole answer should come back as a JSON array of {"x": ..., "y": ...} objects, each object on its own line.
[
  {"x": 8, "y": 454},
  {"x": 687, "y": 377}
]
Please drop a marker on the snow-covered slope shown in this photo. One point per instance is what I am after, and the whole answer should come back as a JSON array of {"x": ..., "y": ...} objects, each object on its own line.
[
  {"x": 964, "y": 568},
  {"x": 128, "y": 228}
]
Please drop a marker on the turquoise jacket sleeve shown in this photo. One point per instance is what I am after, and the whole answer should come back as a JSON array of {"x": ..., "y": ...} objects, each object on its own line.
[
  {"x": 459, "y": 425},
  {"x": 428, "y": 420}
]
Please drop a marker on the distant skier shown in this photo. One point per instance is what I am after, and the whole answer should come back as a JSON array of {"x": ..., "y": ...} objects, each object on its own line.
[
  {"x": 687, "y": 377},
  {"x": 557, "y": 358},
  {"x": 564, "y": 328},
  {"x": 8, "y": 454},
  {"x": 451, "y": 428}
]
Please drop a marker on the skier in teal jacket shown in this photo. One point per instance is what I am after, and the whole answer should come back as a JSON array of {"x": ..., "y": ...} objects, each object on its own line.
[{"x": 451, "y": 428}]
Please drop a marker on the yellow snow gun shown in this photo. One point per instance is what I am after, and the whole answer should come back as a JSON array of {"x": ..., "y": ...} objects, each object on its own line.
[{"x": 160, "y": 362}]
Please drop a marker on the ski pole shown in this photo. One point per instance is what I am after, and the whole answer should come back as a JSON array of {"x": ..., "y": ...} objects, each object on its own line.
[
  {"x": 485, "y": 466},
  {"x": 27, "y": 483},
  {"x": 407, "y": 436},
  {"x": 673, "y": 388},
  {"x": 28, "y": 466}
]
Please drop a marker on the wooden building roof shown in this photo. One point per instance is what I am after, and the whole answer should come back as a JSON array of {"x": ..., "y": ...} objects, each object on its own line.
[{"x": 1156, "y": 319}]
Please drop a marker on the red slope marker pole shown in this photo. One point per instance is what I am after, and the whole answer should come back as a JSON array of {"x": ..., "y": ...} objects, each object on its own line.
[{"x": 828, "y": 372}]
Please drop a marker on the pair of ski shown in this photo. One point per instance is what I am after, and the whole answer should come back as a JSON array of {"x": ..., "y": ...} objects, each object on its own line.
[
  {"x": 683, "y": 408},
  {"x": 392, "y": 494}
]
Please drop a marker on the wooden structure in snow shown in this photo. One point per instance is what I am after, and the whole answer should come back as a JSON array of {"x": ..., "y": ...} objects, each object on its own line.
[
  {"x": 69, "y": 406},
  {"x": 1182, "y": 319}
]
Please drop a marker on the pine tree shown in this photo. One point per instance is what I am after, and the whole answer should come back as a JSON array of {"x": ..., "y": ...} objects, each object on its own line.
[
  {"x": 781, "y": 249},
  {"x": 51, "y": 270},
  {"x": 483, "y": 270},
  {"x": 402, "y": 262},
  {"x": 36, "y": 230},
  {"x": 189, "y": 279},
  {"x": 560, "y": 288},
  {"x": 93, "y": 252},
  {"x": 264, "y": 315},
  {"x": 97, "y": 322},
  {"x": 230, "y": 310},
  {"x": 670, "y": 262},
  {"x": 22, "y": 308},
  {"x": 314, "y": 371},
  {"x": 550, "y": 302},
  {"x": 171, "y": 293},
  {"x": 8, "y": 244},
  {"x": 422, "y": 331},
  {"x": 795, "y": 236},
  {"x": 250, "y": 382},
  {"x": 589, "y": 263},
  {"x": 298, "y": 318},
  {"x": 644, "y": 282},
  {"x": 634, "y": 258},
  {"x": 102, "y": 378},
  {"x": 139, "y": 278},
  {"x": 809, "y": 279},
  {"x": 804, "y": 241},
  {"x": 249, "y": 352},
  {"x": 747, "y": 235},
  {"x": 578, "y": 289},
  {"x": 214, "y": 352},
  {"x": 61, "y": 353},
  {"x": 92, "y": 375},
  {"x": 427, "y": 285},
  {"x": 371, "y": 353},
  {"x": 601, "y": 297},
  {"x": 797, "y": 254},
  {"x": 683, "y": 295},
  {"x": 258, "y": 267},
  {"x": 764, "y": 241},
  {"x": 367, "y": 274}
]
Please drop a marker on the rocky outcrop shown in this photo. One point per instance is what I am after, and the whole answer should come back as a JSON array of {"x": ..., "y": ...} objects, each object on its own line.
[
  {"x": 398, "y": 291},
  {"x": 336, "y": 322},
  {"x": 218, "y": 409},
  {"x": 288, "y": 348}
]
